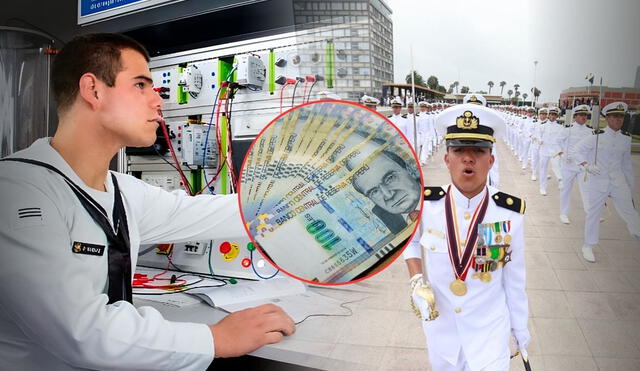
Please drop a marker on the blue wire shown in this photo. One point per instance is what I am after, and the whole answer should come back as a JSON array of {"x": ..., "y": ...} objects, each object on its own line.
[
  {"x": 206, "y": 140},
  {"x": 256, "y": 272}
]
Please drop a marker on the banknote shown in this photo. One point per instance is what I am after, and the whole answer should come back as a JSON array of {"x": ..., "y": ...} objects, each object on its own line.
[{"x": 329, "y": 190}]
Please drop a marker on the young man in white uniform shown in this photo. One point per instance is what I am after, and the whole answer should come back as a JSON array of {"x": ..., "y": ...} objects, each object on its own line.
[
  {"x": 610, "y": 174},
  {"x": 468, "y": 252},
  {"x": 535, "y": 142},
  {"x": 571, "y": 171},
  {"x": 550, "y": 134},
  {"x": 70, "y": 232},
  {"x": 398, "y": 119}
]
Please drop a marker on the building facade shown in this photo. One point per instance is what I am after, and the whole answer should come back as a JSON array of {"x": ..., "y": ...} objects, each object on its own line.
[
  {"x": 591, "y": 94},
  {"x": 363, "y": 42}
]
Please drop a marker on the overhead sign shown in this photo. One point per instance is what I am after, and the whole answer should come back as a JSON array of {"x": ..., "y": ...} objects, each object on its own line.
[{"x": 90, "y": 11}]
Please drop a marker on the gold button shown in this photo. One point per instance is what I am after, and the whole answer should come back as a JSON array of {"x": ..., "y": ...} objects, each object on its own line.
[
  {"x": 463, "y": 242},
  {"x": 433, "y": 248},
  {"x": 467, "y": 216},
  {"x": 427, "y": 192},
  {"x": 496, "y": 197},
  {"x": 441, "y": 193},
  {"x": 458, "y": 310},
  {"x": 509, "y": 201}
]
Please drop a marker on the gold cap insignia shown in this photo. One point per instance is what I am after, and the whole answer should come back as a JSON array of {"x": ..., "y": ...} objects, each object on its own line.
[
  {"x": 467, "y": 121},
  {"x": 620, "y": 107},
  {"x": 473, "y": 99},
  {"x": 77, "y": 247}
]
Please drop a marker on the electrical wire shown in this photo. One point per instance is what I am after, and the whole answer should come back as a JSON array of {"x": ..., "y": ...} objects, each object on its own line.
[
  {"x": 310, "y": 89},
  {"x": 343, "y": 305},
  {"x": 206, "y": 141},
  {"x": 185, "y": 182},
  {"x": 304, "y": 92},
  {"x": 293, "y": 96},
  {"x": 281, "y": 94},
  {"x": 256, "y": 272}
]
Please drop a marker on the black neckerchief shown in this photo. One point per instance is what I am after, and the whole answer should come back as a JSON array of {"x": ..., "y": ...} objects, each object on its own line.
[{"x": 119, "y": 252}]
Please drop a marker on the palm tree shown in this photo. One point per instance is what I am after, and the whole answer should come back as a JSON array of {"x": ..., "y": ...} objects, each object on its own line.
[
  {"x": 464, "y": 90},
  {"x": 455, "y": 85},
  {"x": 516, "y": 86},
  {"x": 502, "y": 84},
  {"x": 516, "y": 95},
  {"x": 524, "y": 96},
  {"x": 510, "y": 93},
  {"x": 536, "y": 93},
  {"x": 490, "y": 83}
]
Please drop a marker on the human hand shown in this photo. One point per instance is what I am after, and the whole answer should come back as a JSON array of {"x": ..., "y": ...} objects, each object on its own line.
[{"x": 246, "y": 330}]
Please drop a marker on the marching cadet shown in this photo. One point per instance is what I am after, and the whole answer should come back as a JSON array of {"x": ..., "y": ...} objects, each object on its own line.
[
  {"x": 570, "y": 169},
  {"x": 610, "y": 175},
  {"x": 527, "y": 130},
  {"x": 369, "y": 101},
  {"x": 474, "y": 99},
  {"x": 535, "y": 142},
  {"x": 413, "y": 121},
  {"x": 428, "y": 131},
  {"x": 550, "y": 134},
  {"x": 467, "y": 257},
  {"x": 397, "y": 118},
  {"x": 494, "y": 173}
]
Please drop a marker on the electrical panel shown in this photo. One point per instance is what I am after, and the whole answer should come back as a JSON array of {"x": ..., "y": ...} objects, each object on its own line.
[
  {"x": 167, "y": 180},
  {"x": 213, "y": 98}
]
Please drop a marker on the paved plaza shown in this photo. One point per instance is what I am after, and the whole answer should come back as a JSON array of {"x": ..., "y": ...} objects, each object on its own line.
[{"x": 583, "y": 316}]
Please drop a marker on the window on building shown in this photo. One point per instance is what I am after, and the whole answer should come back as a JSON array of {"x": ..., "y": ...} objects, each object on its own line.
[{"x": 336, "y": 5}]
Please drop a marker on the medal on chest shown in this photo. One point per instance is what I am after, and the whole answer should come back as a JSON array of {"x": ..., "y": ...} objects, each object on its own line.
[
  {"x": 492, "y": 251},
  {"x": 461, "y": 256}
]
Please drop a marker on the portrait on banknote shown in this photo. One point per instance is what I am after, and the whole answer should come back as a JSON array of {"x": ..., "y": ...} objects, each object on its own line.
[{"x": 330, "y": 191}]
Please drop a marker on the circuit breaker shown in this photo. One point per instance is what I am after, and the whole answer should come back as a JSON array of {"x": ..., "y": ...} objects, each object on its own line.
[
  {"x": 250, "y": 71},
  {"x": 193, "y": 145}
]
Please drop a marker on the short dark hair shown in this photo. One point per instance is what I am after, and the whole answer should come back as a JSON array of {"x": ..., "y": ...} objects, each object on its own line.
[{"x": 98, "y": 53}]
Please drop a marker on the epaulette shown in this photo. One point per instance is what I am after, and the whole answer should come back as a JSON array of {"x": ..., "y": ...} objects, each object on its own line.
[
  {"x": 509, "y": 202},
  {"x": 404, "y": 116},
  {"x": 535, "y": 120},
  {"x": 624, "y": 132},
  {"x": 589, "y": 126},
  {"x": 390, "y": 116},
  {"x": 598, "y": 132},
  {"x": 417, "y": 114},
  {"x": 433, "y": 193}
]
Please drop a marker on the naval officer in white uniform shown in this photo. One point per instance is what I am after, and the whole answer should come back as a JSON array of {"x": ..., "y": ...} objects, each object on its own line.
[
  {"x": 398, "y": 119},
  {"x": 70, "y": 232},
  {"x": 570, "y": 170},
  {"x": 469, "y": 253},
  {"x": 610, "y": 174}
]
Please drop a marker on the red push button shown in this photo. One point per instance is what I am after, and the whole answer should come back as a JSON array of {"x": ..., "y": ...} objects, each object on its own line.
[
  {"x": 246, "y": 262},
  {"x": 225, "y": 247}
]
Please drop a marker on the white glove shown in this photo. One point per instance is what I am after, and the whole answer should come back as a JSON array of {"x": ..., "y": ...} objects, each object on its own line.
[
  {"x": 418, "y": 303},
  {"x": 592, "y": 169},
  {"x": 522, "y": 338}
]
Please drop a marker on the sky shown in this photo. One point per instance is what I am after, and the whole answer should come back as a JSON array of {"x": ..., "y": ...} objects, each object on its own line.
[{"x": 499, "y": 40}]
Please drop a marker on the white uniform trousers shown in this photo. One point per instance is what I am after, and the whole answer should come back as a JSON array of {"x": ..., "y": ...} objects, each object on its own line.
[
  {"x": 597, "y": 193},
  {"x": 543, "y": 165},
  {"x": 440, "y": 364},
  {"x": 570, "y": 173},
  {"x": 534, "y": 151},
  {"x": 526, "y": 143}
]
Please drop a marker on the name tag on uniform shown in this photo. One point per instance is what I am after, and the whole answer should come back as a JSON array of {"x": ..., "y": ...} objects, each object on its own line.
[{"x": 87, "y": 248}]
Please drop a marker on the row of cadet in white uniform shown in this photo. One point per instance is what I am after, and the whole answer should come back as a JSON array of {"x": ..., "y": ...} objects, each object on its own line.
[{"x": 602, "y": 173}]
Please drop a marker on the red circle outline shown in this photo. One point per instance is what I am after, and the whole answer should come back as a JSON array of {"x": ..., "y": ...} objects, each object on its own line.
[{"x": 239, "y": 192}]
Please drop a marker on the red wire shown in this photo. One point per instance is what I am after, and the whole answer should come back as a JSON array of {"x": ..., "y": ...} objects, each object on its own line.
[
  {"x": 185, "y": 183},
  {"x": 281, "y": 92}
]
